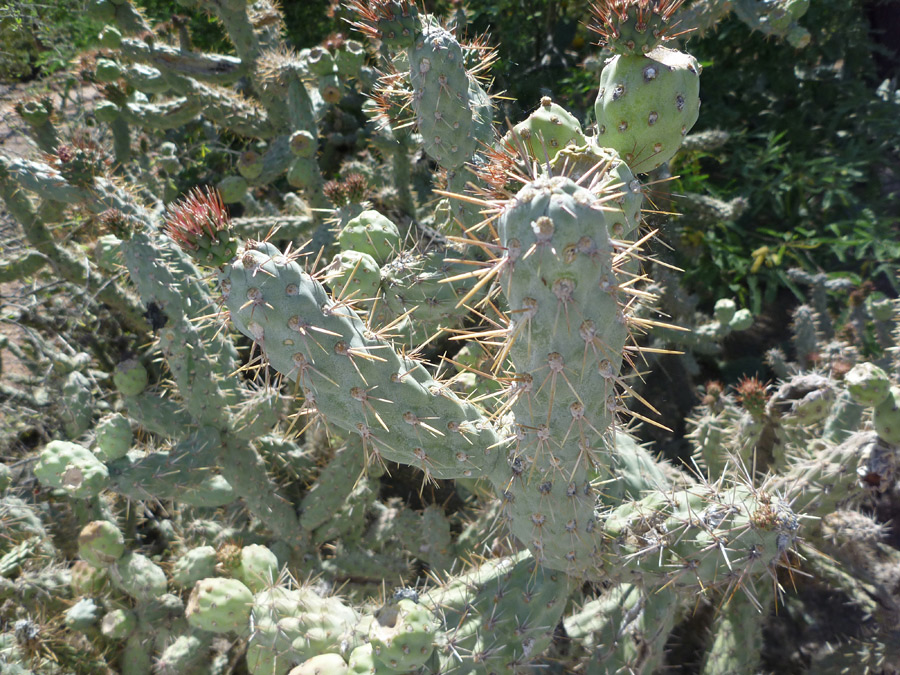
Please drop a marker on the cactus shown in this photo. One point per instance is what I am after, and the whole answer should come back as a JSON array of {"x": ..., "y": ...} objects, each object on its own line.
[{"x": 550, "y": 536}]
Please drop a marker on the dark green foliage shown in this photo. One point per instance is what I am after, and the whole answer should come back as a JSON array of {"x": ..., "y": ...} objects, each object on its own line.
[
  {"x": 813, "y": 147},
  {"x": 38, "y": 38}
]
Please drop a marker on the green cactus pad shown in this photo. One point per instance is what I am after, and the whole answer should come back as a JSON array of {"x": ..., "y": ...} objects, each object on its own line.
[
  {"x": 336, "y": 360},
  {"x": 646, "y": 105},
  {"x": 71, "y": 467},
  {"x": 220, "y": 606},
  {"x": 441, "y": 97}
]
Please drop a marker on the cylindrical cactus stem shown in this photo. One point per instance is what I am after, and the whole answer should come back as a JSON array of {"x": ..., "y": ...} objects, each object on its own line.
[
  {"x": 219, "y": 69},
  {"x": 566, "y": 340},
  {"x": 42, "y": 239},
  {"x": 356, "y": 380},
  {"x": 498, "y": 616},
  {"x": 625, "y": 629},
  {"x": 738, "y": 631},
  {"x": 822, "y": 478},
  {"x": 38, "y": 115}
]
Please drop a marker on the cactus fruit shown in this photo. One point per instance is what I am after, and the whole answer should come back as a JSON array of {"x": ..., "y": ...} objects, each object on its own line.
[
  {"x": 402, "y": 635},
  {"x": 131, "y": 377},
  {"x": 101, "y": 543},
  {"x": 547, "y": 130},
  {"x": 118, "y": 624},
  {"x": 220, "y": 606},
  {"x": 323, "y": 664},
  {"x": 139, "y": 577},
  {"x": 258, "y": 567},
  {"x": 371, "y": 233},
  {"x": 114, "y": 437},
  {"x": 194, "y": 565},
  {"x": 73, "y": 468}
]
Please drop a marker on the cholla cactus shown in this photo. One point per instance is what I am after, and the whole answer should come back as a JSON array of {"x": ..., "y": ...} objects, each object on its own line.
[{"x": 533, "y": 257}]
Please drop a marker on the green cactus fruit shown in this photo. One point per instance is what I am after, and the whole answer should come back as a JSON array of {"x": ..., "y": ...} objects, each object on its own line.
[
  {"x": 258, "y": 567},
  {"x": 106, "y": 112},
  {"x": 220, "y": 606},
  {"x": 107, "y": 70},
  {"x": 136, "y": 659},
  {"x": 324, "y": 628},
  {"x": 441, "y": 101},
  {"x": 101, "y": 543},
  {"x": 107, "y": 253},
  {"x": 194, "y": 565},
  {"x": 118, "y": 624},
  {"x": 350, "y": 58},
  {"x": 372, "y": 233},
  {"x": 302, "y": 144},
  {"x": 868, "y": 384},
  {"x": 83, "y": 615},
  {"x": 35, "y": 113},
  {"x": 320, "y": 61},
  {"x": 887, "y": 417},
  {"x": 5, "y": 477},
  {"x": 803, "y": 399},
  {"x": 646, "y": 105},
  {"x": 147, "y": 79},
  {"x": 362, "y": 661},
  {"x": 110, "y": 37},
  {"x": 323, "y": 664},
  {"x": 71, "y": 467},
  {"x": 354, "y": 275},
  {"x": 250, "y": 164},
  {"x": 304, "y": 174},
  {"x": 86, "y": 579},
  {"x": 742, "y": 320},
  {"x": 114, "y": 437},
  {"x": 724, "y": 311},
  {"x": 402, "y": 635},
  {"x": 131, "y": 377},
  {"x": 139, "y": 577},
  {"x": 418, "y": 282},
  {"x": 546, "y": 131},
  {"x": 183, "y": 655},
  {"x": 232, "y": 188},
  {"x": 330, "y": 88}
]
